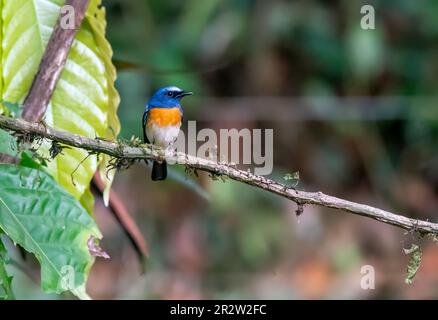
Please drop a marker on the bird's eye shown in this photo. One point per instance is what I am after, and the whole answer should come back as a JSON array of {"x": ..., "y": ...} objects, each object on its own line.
[{"x": 170, "y": 94}]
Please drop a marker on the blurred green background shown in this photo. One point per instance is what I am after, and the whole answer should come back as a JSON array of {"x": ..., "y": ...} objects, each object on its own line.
[{"x": 354, "y": 111}]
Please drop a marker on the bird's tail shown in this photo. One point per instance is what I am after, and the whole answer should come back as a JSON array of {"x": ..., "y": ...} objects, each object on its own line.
[{"x": 159, "y": 171}]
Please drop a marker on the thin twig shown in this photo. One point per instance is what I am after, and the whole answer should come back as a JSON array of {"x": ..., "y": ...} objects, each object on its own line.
[
  {"x": 8, "y": 159},
  {"x": 122, "y": 151}
]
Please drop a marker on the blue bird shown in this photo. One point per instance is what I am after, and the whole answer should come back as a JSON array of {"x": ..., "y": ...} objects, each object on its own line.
[{"x": 162, "y": 119}]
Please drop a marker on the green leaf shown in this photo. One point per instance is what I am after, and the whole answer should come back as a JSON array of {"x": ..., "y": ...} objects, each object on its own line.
[
  {"x": 29, "y": 162},
  {"x": 87, "y": 201},
  {"x": 5, "y": 280},
  {"x": 13, "y": 109},
  {"x": 44, "y": 219},
  {"x": 7, "y": 144},
  {"x": 96, "y": 18},
  {"x": 414, "y": 264},
  {"x": 85, "y": 100}
]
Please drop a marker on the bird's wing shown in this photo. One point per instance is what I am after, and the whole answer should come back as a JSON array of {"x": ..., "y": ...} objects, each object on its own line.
[{"x": 145, "y": 119}]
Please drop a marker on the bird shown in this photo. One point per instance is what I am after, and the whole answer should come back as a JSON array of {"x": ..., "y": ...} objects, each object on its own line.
[{"x": 162, "y": 118}]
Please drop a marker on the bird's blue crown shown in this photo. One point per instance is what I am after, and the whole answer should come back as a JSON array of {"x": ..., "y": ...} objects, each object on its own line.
[{"x": 168, "y": 97}]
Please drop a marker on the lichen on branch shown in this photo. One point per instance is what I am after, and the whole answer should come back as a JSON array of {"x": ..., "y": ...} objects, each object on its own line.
[{"x": 125, "y": 153}]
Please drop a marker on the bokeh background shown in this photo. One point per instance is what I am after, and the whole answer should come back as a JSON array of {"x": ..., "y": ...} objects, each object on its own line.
[{"x": 354, "y": 111}]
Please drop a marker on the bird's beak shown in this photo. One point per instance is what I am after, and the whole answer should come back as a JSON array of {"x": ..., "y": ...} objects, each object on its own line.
[{"x": 184, "y": 93}]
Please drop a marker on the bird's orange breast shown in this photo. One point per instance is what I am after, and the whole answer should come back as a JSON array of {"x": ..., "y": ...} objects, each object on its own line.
[{"x": 164, "y": 117}]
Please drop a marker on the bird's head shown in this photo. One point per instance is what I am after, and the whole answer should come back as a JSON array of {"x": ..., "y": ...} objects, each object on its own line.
[{"x": 168, "y": 97}]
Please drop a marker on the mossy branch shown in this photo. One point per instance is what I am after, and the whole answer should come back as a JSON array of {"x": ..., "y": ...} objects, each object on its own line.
[{"x": 127, "y": 153}]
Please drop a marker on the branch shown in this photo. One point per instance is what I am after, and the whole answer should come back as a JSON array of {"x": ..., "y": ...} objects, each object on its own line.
[
  {"x": 52, "y": 64},
  {"x": 5, "y": 158},
  {"x": 148, "y": 152}
]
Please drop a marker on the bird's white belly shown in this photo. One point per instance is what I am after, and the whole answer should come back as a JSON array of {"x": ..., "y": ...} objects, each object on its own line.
[{"x": 163, "y": 137}]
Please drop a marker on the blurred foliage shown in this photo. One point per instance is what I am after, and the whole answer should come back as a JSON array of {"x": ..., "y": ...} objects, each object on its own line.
[{"x": 369, "y": 133}]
